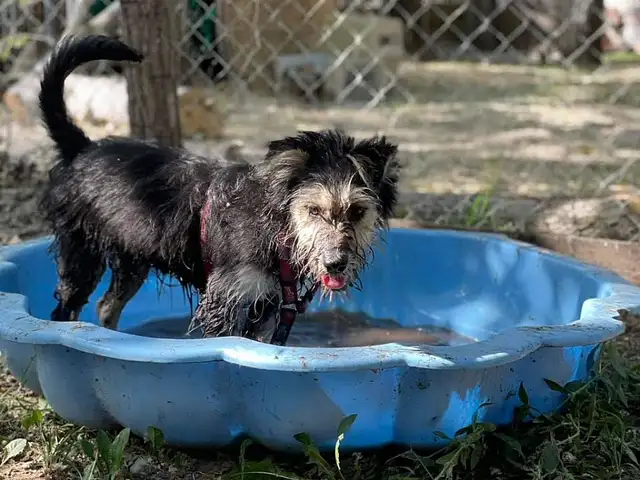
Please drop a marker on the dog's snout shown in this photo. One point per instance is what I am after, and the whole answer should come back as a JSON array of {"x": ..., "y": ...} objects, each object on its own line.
[{"x": 335, "y": 261}]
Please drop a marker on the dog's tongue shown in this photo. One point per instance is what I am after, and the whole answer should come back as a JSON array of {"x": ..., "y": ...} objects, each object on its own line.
[{"x": 333, "y": 283}]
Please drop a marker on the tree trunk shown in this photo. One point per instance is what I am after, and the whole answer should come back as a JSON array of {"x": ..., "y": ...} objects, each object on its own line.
[
  {"x": 595, "y": 32},
  {"x": 150, "y": 26}
]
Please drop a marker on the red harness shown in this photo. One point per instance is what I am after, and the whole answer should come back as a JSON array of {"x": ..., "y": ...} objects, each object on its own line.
[{"x": 291, "y": 304}]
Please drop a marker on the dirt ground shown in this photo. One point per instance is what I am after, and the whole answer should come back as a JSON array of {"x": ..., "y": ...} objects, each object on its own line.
[{"x": 541, "y": 148}]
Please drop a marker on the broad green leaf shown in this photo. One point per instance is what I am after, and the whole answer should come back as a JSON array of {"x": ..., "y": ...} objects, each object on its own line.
[
  {"x": 155, "y": 437},
  {"x": 13, "y": 449},
  {"x": 35, "y": 418},
  {"x": 117, "y": 449},
  {"x": 104, "y": 448},
  {"x": 313, "y": 454},
  {"x": 629, "y": 453},
  {"x": 556, "y": 387},
  {"x": 550, "y": 457},
  {"x": 512, "y": 442},
  {"x": 345, "y": 424},
  {"x": 88, "y": 448}
]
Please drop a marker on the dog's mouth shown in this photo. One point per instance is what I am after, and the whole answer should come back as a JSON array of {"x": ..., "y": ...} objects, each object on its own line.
[{"x": 333, "y": 282}]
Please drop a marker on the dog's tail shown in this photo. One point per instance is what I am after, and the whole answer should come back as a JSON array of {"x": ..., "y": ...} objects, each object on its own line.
[{"x": 69, "y": 54}]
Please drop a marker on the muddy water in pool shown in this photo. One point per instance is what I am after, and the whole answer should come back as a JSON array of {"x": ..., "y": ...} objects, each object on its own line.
[
  {"x": 331, "y": 328},
  {"x": 336, "y": 328}
]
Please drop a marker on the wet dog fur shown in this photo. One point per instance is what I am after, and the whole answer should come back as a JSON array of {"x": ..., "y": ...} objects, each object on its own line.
[{"x": 135, "y": 206}]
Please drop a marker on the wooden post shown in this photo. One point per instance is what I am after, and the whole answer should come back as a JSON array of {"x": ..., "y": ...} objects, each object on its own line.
[{"x": 151, "y": 26}]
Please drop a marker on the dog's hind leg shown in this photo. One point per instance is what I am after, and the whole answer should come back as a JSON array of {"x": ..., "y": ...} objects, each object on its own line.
[
  {"x": 79, "y": 270},
  {"x": 127, "y": 276}
]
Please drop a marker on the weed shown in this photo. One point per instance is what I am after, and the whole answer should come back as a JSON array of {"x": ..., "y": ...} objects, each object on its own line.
[
  {"x": 155, "y": 438},
  {"x": 478, "y": 211},
  {"x": 106, "y": 455},
  {"x": 57, "y": 440},
  {"x": 259, "y": 469}
]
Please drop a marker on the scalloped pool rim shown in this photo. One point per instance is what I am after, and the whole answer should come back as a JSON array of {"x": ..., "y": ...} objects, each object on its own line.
[{"x": 597, "y": 324}]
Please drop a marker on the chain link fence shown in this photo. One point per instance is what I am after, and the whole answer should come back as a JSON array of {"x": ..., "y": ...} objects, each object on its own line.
[{"x": 511, "y": 114}]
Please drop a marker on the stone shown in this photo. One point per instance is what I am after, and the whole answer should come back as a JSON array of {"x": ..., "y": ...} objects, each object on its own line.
[{"x": 103, "y": 100}]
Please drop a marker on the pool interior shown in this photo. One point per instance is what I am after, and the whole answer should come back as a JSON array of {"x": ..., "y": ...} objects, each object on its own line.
[
  {"x": 327, "y": 328},
  {"x": 475, "y": 286}
]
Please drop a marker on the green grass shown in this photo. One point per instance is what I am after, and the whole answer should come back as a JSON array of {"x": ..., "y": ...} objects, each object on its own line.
[
  {"x": 595, "y": 436},
  {"x": 621, "y": 57},
  {"x": 12, "y": 44}
]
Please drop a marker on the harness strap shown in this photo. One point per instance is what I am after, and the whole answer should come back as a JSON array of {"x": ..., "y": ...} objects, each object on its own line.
[{"x": 291, "y": 304}]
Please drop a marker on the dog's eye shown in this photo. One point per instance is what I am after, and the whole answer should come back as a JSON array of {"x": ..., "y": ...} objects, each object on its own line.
[
  {"x": 355, "y": 214},
  {"x": 314, "y": 211}
]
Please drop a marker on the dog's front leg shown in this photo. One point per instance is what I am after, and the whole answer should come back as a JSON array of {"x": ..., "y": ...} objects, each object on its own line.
[
  {"x": 262, "y": 319},
  {"x": 215, "y": 316},
  {"x": 217, "y": 312}
]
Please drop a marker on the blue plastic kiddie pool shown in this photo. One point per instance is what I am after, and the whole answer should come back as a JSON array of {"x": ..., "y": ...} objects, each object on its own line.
[{"x": 520, "y": 315}]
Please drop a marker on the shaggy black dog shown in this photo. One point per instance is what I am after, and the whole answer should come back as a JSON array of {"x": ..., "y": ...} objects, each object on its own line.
[{"x": 313, "y": 206}]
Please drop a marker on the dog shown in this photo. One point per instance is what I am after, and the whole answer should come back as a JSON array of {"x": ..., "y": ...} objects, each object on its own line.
[{"x": 220, "y": 230}]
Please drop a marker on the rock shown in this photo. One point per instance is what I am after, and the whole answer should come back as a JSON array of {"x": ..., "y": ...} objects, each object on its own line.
[
  {"x": 139, "y": 465},
  {"x": 22, "y": 99},
  {"x": 199, "y": 114},
  {"x": 103, "y": 100},
  {"x": 14, "y": 240}
]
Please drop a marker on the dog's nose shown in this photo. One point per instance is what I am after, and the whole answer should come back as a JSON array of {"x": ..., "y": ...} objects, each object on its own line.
[{"x": 335, "y": 262}]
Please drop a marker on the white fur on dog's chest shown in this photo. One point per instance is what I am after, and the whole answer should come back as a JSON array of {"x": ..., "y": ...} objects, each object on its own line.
[{"x": 252, "y": 283}]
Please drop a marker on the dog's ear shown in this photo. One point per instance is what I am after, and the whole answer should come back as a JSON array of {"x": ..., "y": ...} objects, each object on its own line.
[
  {"x": 282, "y": 167},
  {"x": 381, "y": 156},
  {"x": 287, "y": 159}
]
